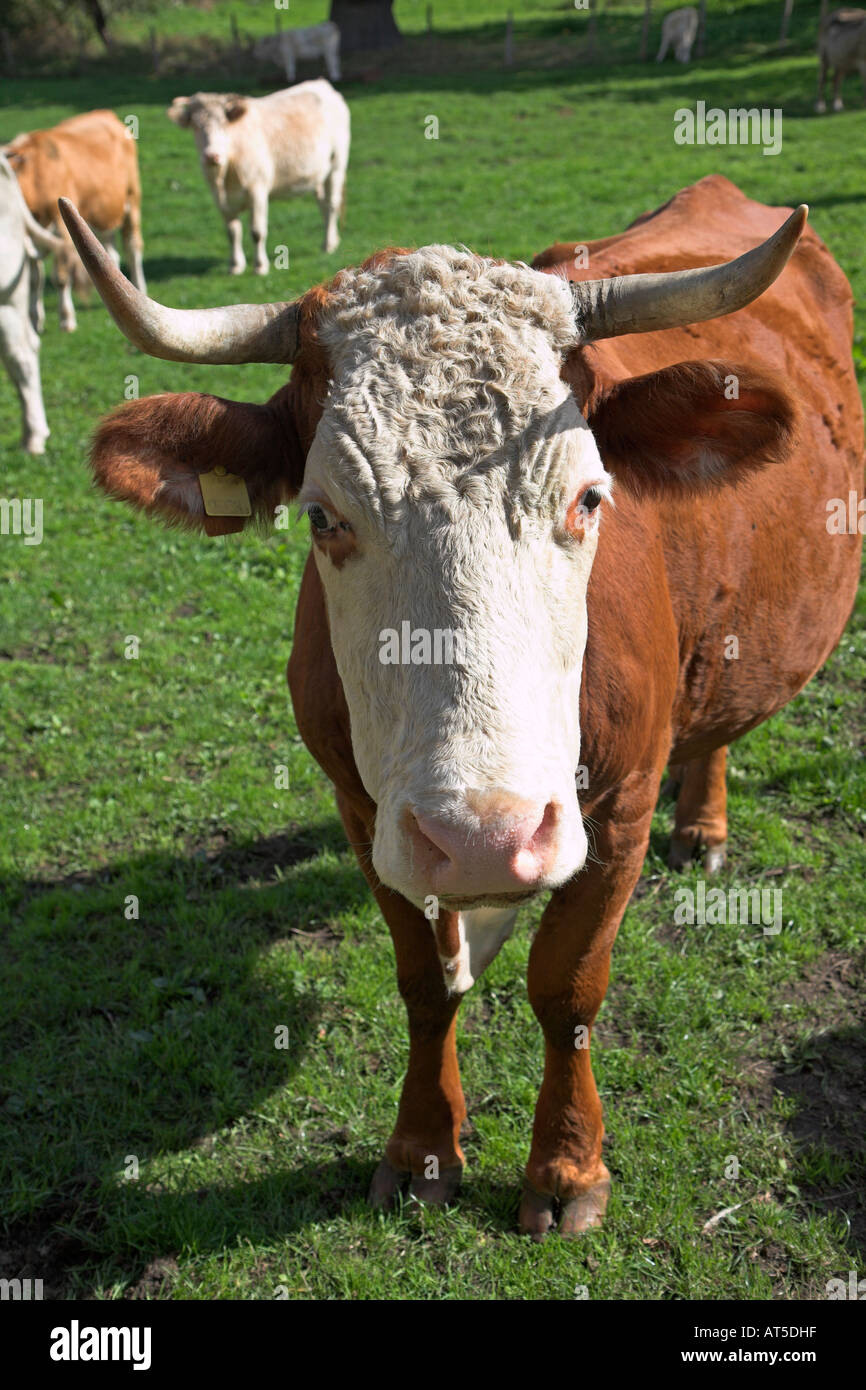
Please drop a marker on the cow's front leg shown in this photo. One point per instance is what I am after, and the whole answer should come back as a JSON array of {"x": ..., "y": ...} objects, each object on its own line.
[
  {"x": 823, "y": 69},
  {"x": 19, "y": 353},
  {"x": 68, "y": 321},
  {"x": 424, "y": 1149},
  {"x": 259, "y": 230},
  {"x": 568, "y": 973},
  {"x": 37, "y": 294},
  {"x": 237, "y": 259}
]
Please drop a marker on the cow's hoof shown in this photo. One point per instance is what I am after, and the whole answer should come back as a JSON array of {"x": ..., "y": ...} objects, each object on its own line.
[
  {"x": 538, "y": 1211},
  {"x": 683, "y": 852},
  {"x": 68, "y": 326},
  {"x": 536, "y": 1214},
  {"x": 389, "y": 1184},
  {"x": 820, "y": 107},
  {"x": 838, "y": 104},
  {"x": 583, "y": 1212},
  {"x": 237, "y": 269},
  {"x": 262, "y": 269},
  {"x": 437, "y": 1192}
]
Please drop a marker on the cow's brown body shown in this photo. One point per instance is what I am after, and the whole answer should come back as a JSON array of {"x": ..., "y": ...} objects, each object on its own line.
[
  {"x": 91, "y": 159},
  {"x": 718, "y": 588},
  {"x": 674, "y": 579}
]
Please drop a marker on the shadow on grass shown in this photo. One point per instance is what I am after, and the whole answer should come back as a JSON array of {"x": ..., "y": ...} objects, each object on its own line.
[
  {"x": 826, "y": 1077},
  {"x": 132, "y": 1037},
  {"x": 262, "y": 1212},
  {"x": 158, "y": 268}
]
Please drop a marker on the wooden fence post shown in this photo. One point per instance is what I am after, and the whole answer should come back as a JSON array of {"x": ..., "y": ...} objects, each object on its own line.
[
  {"x": 645, "y": 28},
  {"x": 590, "y": 42},
  {"x": 702, "y": 27}
]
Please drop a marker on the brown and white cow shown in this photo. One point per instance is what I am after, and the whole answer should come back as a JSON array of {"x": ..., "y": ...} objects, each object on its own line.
[
  {"x": 842, "y": 48},
  {"x": 92, "y": 160},
  {"x": 252, "y": 149},
  {"x": 453, "y": 428}
]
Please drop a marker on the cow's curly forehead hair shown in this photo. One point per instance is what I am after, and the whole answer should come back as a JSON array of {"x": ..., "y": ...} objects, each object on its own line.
[{"x": 439, "y": 358}]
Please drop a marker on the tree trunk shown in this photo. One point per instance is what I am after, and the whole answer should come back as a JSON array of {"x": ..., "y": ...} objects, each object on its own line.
[
  {"x": 365, "y": 24},
  {"x": 100, "y": 22},
  {"x": 645, "y": 28},
  {"x": 786, "y": 20}
]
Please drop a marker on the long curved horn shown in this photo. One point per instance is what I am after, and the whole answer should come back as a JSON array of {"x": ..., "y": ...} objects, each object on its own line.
[
  {"x": 237, "y": 333},
  {"x": 646, "y": 303}
]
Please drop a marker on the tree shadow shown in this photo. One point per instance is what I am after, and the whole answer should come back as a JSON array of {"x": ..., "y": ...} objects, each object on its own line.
[
  {"x": 158, "y": 268},
  {"x": 834, "y": 200}
]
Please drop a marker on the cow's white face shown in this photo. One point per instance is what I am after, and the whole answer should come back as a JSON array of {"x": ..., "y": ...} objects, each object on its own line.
[
  {"x": 453, "y": 489},
  {"x": 211, "y": 116}
]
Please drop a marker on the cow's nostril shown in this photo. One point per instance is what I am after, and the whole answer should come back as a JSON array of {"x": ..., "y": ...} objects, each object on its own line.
[
  {"x": 545, "y": 832},
  {"x": 423, "y": 833}
]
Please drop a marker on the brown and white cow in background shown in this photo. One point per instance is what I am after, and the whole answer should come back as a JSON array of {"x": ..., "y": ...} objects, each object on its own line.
[
  {"x": 679, "y": 30},
  {"x": 842, "y": 48},
  {"x": 91, "y": 159},
  {"x": 252, "y": 149},
  {"x": 454, "y": 427},
  {"x": 22, "y": 243},
  {"x": 285, "y": 48}
]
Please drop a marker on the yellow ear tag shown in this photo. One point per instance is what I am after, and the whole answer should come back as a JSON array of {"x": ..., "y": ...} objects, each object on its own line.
[{"x": 224, "y": 493}]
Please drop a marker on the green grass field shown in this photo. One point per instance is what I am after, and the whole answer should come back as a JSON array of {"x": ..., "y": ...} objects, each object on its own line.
[{"x": 155, "y": 1143}]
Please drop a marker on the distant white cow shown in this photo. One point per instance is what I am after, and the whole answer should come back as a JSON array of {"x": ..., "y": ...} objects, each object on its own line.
[
  {"x": 22, "y": 240},
  {"x": 842, "y": 47},
  {"x": 255, "y": 148},
  {"x": 680, "y": 29},
  {"x": 285, "y": 48}
]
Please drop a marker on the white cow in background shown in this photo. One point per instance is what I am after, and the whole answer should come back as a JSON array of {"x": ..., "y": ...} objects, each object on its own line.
[
  {"x": 286, "y": 47},
  {"x": 22, "y": 241},
  {"x": 679, "y": 29},
  {"x": 255, "y": 148}
]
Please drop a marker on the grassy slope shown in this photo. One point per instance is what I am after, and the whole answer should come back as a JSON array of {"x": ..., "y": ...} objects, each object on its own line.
[{"x": 154, "y": 777}]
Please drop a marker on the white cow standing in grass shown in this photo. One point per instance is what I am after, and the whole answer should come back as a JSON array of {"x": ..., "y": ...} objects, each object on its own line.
[
  {"x": 256, "y": 148},
  {"x": 680, "y": 29},
  {"x": 285, "y": 48},
  {"x": 22, "y": 240},
  {"x": 842, "y": 47}
]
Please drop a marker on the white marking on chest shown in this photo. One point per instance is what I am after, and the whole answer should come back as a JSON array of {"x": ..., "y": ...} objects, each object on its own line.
[{"x": 482, "y": 931}]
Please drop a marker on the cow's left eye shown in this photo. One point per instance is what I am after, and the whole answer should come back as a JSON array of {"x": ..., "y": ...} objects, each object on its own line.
[
  {"x": 591, "y": 499},
  {"x": 320, "y": 520}
]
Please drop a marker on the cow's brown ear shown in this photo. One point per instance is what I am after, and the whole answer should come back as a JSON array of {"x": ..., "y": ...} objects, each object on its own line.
[
  {"x": 692, "y": 426},
  {"x": 152, "y": 452},
  {"x": 236, "y": 109},
  {"x": 179, "y": 111}
]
